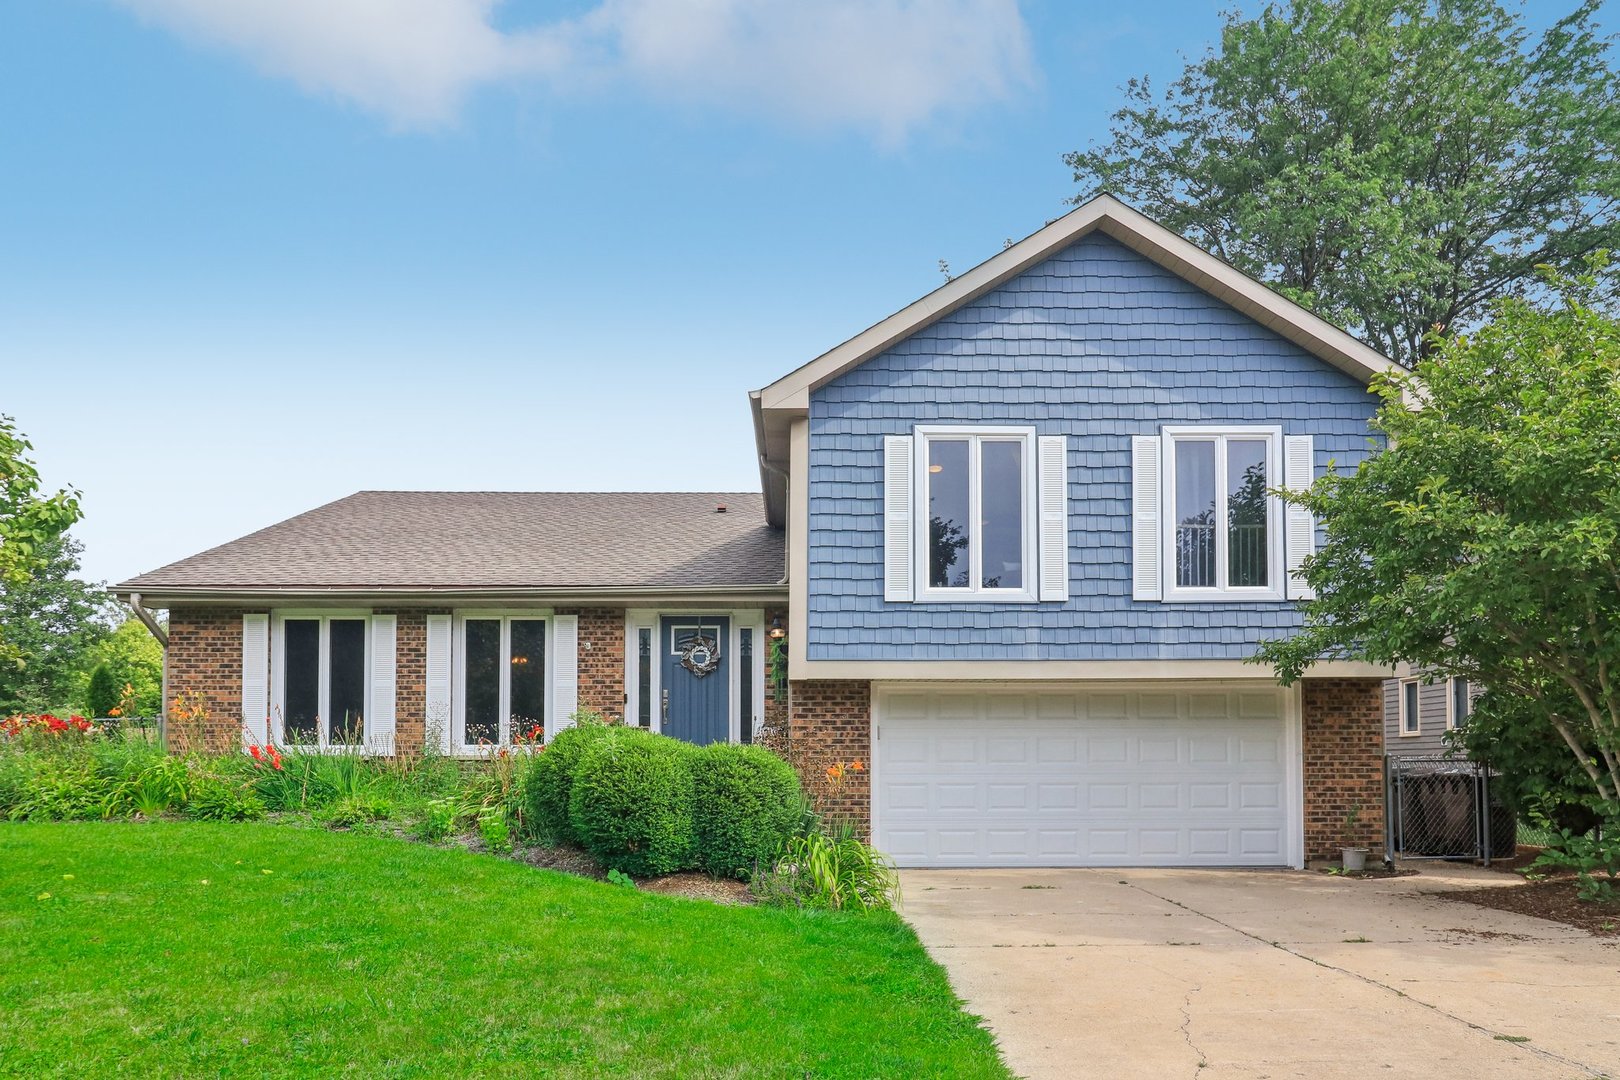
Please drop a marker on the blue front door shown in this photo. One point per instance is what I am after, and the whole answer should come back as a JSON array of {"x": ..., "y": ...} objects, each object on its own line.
[{"x": 696, "y": 693}]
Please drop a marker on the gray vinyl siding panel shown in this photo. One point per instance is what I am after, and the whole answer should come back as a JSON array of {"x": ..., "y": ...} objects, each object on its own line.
[{"x": 1433, "y": 699}]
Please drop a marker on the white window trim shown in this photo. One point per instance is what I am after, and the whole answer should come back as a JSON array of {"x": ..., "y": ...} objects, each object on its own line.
[
  {"x": 973, "y": 593},
  {"x": 1417, "y": 709},
  {"x": 654, "y": 619},
  {"x": 278, "y": 673},
  {"x": 458, "y": 667},
  {"x": 1276, "y": 557}
]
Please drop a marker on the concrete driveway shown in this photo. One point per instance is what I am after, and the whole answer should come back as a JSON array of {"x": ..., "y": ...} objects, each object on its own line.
[{"x": 1208, "y": 974}]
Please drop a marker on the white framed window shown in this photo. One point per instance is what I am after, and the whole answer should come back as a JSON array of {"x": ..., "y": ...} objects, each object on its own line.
[
  {"x": 501, "y": 684},
  {"x": 975, "y": 532},
  {"x": 1223, "y": 534},
  {"x": 320, "y": 687},
  {"x": 1411, "y": 721},
  {"x": 1459, "y": 703}
]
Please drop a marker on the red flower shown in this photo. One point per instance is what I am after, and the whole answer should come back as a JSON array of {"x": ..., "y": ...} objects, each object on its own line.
[{"x": 253, "y": 752}]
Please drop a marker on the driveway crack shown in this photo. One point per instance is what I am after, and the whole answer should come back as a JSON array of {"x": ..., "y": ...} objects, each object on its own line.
[
  {"x": 1186, "y": 1028},
  {"x": 1508, "y": 1038}
]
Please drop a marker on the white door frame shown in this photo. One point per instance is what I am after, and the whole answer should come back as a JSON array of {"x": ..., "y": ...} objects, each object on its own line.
[{"x": 636, "y": 619}]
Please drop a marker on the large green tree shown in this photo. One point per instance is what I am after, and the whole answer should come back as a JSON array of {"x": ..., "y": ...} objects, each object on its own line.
[
  {"x": 50, "y": 621},
  {"x": 29, "y": 520},
  {"x": 1393, "y": 165},
  {"x": 1484, "y": 541}
]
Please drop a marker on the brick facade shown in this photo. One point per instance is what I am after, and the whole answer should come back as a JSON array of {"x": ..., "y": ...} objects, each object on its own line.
[
  {"x": 601, "y": 660},
  {"x": 205, "y": 669},
  {"x": 410, "y": 680},
  {"x": 830, "y": 722},
  {"x": 1344, "y": 765},
  {"x": 773, "y": 731}
]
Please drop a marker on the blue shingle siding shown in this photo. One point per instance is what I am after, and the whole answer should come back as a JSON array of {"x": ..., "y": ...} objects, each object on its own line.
[{"x": 1096, "y": 343}]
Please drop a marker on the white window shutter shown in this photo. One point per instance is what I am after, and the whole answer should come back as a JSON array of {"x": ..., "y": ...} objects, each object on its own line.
[
  {"x": 380, "y": 726},
  {"x": 437, "y": 705},
  {"x": 1299, "y": 527},
  {"x": 256, "y": 679},
  {"x": 1147, "y": 532},
  {"x": 564, "y": 670},
  {"x": 1052, "y": 498},
  {"x": 899, "y": 530}
]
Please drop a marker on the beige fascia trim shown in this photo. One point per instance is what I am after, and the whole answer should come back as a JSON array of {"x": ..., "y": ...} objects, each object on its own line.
[
  {"x": 1130, "y": 228},
  {"x": 427, "y": 597},
  {"x": 798, "y": 543},
  {"x": 1063, "y": 670}
]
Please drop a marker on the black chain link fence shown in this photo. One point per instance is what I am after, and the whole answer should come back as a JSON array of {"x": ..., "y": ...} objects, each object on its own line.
[{"x": 1443, "y": 808}]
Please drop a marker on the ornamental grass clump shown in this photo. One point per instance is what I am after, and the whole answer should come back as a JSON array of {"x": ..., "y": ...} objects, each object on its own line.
[{"x": 835, "y": 870}]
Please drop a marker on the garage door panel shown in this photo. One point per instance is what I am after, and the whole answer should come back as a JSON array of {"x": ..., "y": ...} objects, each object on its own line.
[
  {"x": 1153, "y": 778},
  {"x": 1002, "y": 750},
  {"x": 1107, "y": 749}
]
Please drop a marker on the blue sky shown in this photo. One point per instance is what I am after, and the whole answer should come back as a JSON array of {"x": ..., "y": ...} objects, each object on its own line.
[{"x": 258, "y": 254}]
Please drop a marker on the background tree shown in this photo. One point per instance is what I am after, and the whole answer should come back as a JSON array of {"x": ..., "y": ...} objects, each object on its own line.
[
  {"x": 1484, "y": 542},
  {"x": 102, "y": 693},
  {"x": 131, "y": 657},
  {"x": 50, "y": 622},
  {"x": 1393, "y": 165}
]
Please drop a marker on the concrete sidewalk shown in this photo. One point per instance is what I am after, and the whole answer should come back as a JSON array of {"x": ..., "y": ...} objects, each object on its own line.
[{"x": 1184, "y": 973}]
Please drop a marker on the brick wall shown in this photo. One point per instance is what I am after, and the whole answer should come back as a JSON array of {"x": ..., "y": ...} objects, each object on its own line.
[
  {"x": 205, "y": 667},
  {"x": 830, "y": 722},
  {"x": 773, "y": 732},
  {"x": 410, "y": 679},
  {"x": 1344, "y": 765},
  {"x": 601, "y": 659}
]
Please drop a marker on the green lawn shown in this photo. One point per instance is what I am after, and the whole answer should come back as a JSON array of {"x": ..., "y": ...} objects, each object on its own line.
[{"x": 192, "y": 949}]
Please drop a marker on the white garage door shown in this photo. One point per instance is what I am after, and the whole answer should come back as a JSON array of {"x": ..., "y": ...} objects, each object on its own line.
[{"x": 1129, "y": 777}]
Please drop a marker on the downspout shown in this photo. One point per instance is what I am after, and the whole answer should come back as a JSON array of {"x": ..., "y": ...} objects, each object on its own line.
[
  {"x": 787, "y": 557},
  {"x": 156, "y": 630}
]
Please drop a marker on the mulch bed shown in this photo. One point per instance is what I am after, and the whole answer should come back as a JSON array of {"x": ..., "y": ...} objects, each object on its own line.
[
  {"x": 1524, "y": 856},
  {"x": 1379, "y": 871},
  {"x": 571, "y": 860},
  {"x": 699, "y": 887},
  {"x": 1553, "y": 899}
]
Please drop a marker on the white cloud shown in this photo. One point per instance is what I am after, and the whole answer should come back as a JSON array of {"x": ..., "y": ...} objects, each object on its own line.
[{"x": 881, "y": 66}]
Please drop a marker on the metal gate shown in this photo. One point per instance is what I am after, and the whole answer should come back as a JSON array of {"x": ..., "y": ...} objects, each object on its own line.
[{"x": 1442, "y": 808}]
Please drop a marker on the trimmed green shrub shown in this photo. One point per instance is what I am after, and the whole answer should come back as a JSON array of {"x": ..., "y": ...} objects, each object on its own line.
[
  {"x": 746, "y": 806},
  {"x": 630, "y": 803},
  {"x": 547, "y": 780}
]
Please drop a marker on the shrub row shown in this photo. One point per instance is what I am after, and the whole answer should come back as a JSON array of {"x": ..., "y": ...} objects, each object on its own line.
[{"x": 646, "y": 804}]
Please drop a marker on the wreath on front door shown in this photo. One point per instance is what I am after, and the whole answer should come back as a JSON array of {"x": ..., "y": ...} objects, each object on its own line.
[{"x": 700, "y": 655}]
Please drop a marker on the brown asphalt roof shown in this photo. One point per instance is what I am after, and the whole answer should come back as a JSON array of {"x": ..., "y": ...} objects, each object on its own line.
[{"x": 496, "y": 540}]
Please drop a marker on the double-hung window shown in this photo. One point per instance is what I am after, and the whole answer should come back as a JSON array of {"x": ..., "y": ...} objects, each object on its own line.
[
  {"x": 975, "y": 535},
  {"x": 1223, "y": 527},
  {"x": 1461, "y": 704},
  {"x": 319, "y": 680},
  {"x": 500, "y": 681},
  {"x": 1410, "y": 719}
]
